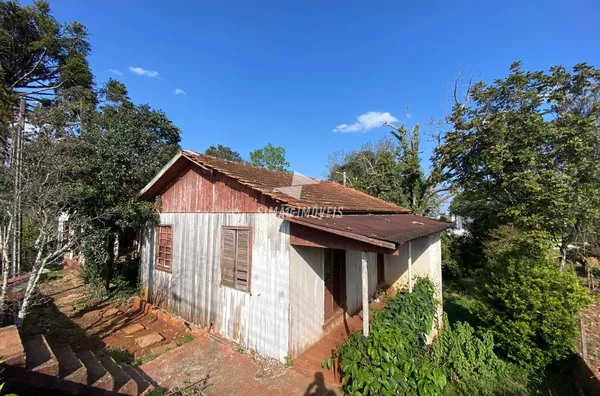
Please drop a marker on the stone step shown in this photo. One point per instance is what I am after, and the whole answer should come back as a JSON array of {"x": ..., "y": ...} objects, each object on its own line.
[
  {"x": 12, "y": 352},
  {"x": 123, "y": 383},
  {"x": 143, "y": 385},
  {"x": 97, "y": 375},
  {"x": 70, "y": 367},
  {"x": 39, "y": 356}
]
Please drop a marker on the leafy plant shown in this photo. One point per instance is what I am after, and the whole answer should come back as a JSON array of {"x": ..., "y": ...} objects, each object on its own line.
[
  {"x": 120, "y": 355},
  {"x": 528, "y": 302},
  {"x": 393, "y": 359}
]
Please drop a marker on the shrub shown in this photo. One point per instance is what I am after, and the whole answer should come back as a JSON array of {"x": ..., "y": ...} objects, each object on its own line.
[
  {"x": 529, "y": 304},
  {"x": 468, "y": 361},
  {"x": 393, "y": 359}
]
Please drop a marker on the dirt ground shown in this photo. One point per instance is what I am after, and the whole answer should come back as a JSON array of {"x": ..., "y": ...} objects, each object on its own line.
[
  {"x": 73, "y": 313},
  {"x": 591, "y": 320}
]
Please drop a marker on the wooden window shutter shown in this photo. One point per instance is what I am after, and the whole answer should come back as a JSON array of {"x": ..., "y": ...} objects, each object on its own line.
[
  {"x": 228, "y": 257},
  {"x": 242, "y": 267}
]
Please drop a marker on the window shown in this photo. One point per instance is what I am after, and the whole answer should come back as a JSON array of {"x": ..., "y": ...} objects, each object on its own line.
[
  {"x": 380, "y": 269},
  {"x": 236, "y": 257},
  {"x": 164, "y": 255}
]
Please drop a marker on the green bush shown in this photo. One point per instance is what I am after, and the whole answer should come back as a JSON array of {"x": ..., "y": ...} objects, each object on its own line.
[
  {"x": 528, "y": 302},
  {"x": 469, "y": 362},
  {"x": 393, "y": 359}
]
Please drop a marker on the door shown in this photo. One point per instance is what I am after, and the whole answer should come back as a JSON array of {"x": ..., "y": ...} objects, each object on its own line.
[
  {"x": 334, "y": 277},
  {"x": 380, "y": 269}
]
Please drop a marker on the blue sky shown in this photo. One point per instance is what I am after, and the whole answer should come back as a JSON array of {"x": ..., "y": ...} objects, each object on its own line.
[{"x": 289, "y": 72}]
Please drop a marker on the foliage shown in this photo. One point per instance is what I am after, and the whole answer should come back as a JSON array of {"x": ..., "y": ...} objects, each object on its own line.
[
  {"x": 38, "y": 56},
  {"x": 526, "y": 150},
  {"x": 468, "y": 360},
  {"x": 270, "y": 157},
  {"x": 393, "y": 359},
  {"x": 224, "y": 152},
  {"x": 391, "y": 170},
  {"x": 529, "y": 304},
  {"x": 120, "y": 355},
  {"x": 120, "y": 152}
]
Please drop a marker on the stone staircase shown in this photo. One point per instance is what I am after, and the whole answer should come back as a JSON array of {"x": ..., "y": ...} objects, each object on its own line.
[{"x": 34, "y": 363}]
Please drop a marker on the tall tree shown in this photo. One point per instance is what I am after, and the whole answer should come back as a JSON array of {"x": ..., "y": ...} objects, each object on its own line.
[
  {"x": 526, "y": 150},
  {"x": 270, "y": 157},
  {"x": 391, "y": 169},
  {"x": 120, "y": 152},
  {"x": 224, "y": 152}
]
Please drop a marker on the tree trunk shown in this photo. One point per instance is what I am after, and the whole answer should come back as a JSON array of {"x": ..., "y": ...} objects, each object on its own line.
[
  {"x": 111, "y": 259},
  {"x": 6, "y": 266},
  {"x": 17, "y": 165}
]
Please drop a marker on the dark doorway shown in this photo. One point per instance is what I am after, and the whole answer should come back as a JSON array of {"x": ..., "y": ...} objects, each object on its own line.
[
  {"x": 380, "y": 269},
  {"x": 335, "y": 281}
]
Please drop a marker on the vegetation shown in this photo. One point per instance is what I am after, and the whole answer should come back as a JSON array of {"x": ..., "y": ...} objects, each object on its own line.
[
  {"x": 395, "y": 358},
  {"x": 270, "y": 157},
  {"x": 224, "y": 152},
  {"x": 391, "y": 169}
]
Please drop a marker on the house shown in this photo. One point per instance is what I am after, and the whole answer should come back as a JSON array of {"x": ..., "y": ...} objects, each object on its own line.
[{"x": 270, "y": 259}]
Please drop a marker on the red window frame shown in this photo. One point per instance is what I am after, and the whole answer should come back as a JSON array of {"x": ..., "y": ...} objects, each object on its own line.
[{"x": 164, "y": 248}]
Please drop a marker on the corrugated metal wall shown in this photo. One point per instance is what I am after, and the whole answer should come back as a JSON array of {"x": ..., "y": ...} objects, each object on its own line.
[
  {"x": 306, "y": 298},
  {"x": 354, "y": 279},
  {"x": 260, "y": 320}
]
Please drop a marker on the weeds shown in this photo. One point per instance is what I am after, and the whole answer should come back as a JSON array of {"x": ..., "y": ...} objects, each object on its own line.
[
  {"x": 139, "y": 360},
  {"x": 186, "y": 338}
]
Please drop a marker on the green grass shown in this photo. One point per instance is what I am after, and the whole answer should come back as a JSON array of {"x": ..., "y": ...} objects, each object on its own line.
[
  {"x": 186, "y": 338},
  {"x": 458, "y": 303},
  {"x": 120, "y": 355},
  {"x": 139, "y": 360}
]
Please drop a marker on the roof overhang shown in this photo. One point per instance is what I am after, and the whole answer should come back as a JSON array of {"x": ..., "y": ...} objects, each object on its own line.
[{"x": 386, "y": 232}]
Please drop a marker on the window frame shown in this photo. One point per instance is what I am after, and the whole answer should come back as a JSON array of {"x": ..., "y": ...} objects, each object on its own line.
[
  {"x": 250, "y": 246},
  {"x": 157, "y": 264}
]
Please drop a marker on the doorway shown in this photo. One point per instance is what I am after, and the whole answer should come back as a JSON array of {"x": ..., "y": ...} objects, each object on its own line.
[{"x": 334, "y": 270}]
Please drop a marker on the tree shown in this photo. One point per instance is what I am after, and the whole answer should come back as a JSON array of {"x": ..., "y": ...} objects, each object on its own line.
[
  {"x": 372, "y": 169},
  {"x": 526, "y": 150},
  {"x": 39, "y": 59},
  {"x": 391, "y": 170},
  {"x": 224, "y": 152},
  {"x": 270, "y": 157},
  {"x": 121, "y": 150},
  {"x": 529, "y": 304}
]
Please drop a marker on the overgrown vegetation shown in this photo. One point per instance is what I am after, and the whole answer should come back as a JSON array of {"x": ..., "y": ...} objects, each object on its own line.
[{"x": 395, "y": 358}]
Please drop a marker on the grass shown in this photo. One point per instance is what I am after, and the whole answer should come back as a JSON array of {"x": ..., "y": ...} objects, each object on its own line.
[
  {"x": 186, "y": 338},
  {"x": 139, "y": 360},
  {"x": 120, "y": 355},
  {"x": 458, "y": 303}
]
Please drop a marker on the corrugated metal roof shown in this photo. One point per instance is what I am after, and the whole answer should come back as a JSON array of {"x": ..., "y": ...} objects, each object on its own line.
[
  {"x": 396, "y": 228},
  {"x": 268, "y": 182}
]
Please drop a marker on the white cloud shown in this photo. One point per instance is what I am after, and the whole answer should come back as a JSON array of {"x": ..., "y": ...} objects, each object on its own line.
[
  {"x": 116, "y": 71},
  {"x": 367, "y": 121},
  {"x": 143, "y": 72},
  {"x": 179, "y": 91}
]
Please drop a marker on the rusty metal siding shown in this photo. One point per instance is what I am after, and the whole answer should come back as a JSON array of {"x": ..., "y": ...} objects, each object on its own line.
[
  {"x": 354, "y": 281},
  {"x": 258, "y": 320},
  {"x": 196, "y": 190},
  {"x": 306, "y": 298}
]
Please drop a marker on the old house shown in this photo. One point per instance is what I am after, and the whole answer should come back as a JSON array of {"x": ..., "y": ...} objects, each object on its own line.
[{"x": 269, "y": 259}]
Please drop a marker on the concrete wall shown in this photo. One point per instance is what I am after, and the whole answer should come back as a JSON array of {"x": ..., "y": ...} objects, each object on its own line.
[{"x": 258, "y": 320}]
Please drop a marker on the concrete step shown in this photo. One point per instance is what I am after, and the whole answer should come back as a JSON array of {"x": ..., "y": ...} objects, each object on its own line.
[
  {"x": 143, "y": 385},
  {"x": 11, "y": 347},
  {"x": 70, "y": 367},
  {"x": 97, "y": 375},
  {"x": 123, "y": 384},
  {"x": 39, "y": 356}
]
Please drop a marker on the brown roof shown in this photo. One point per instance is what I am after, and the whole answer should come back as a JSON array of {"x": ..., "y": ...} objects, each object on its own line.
[
  {"x": 318, "y": 195},
  {"x": 395, "y": 228}
]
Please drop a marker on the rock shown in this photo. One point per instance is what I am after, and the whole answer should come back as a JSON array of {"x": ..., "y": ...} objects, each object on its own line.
[
  {"x": 134, "y": 328},
  {"x": 150, "y": 339},
  {"x": 110, "y": 312},
  {"x": 159, "y": 350}
]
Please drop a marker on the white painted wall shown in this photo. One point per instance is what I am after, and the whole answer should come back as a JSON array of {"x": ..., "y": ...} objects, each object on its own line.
[{"x": 258, "y": 320}]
